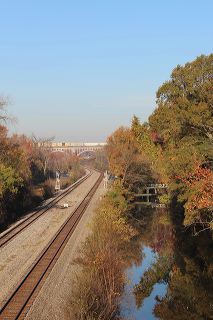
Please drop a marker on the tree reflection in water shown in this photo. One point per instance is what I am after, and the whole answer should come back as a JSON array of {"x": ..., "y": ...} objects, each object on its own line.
[{"x": 183, "y": 262}]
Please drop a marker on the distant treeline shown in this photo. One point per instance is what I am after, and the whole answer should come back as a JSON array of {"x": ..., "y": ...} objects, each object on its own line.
[{"x": 27, "y": 171}]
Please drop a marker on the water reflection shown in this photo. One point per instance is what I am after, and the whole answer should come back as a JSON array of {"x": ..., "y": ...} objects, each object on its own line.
[
  {"x": 130, "y": 307},
  {"x": 174, "y": 280}
]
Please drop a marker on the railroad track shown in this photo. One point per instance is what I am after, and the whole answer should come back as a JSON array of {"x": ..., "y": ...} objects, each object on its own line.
[
  {"x": 12, "y": 232},
  {"x": 25, "y": 293}
]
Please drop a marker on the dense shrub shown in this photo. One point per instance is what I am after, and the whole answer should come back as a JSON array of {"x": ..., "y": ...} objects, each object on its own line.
[{"x": 99, "y": 284}]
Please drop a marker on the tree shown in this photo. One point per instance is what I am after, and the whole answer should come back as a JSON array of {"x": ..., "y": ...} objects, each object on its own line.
[
  {"x": 3, "y": 114},
  {"x": 9, "y": 180},
  {"x": 150, "y": 145},
  {"x": 121, "y": 151},
  {"x": 185, "y": 102},
  {"x": 41, "y": 152},
  {"x": 179, "y": 135},
  {"x": 199, "y": 196},
  {"x": 13, "y": 164},
  {"x": 62, "y": 161}
]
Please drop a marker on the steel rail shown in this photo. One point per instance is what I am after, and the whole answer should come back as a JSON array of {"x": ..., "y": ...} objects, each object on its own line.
[
  {"x": 18, "y": 228},
  {"x": 14, "y": 306}
]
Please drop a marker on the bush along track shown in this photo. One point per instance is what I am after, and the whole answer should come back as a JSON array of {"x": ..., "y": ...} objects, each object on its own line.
[{"x": 103, "y": 258}]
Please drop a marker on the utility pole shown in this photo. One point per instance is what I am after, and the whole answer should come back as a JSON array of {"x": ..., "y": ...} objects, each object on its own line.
[
  {"x": 57, "y": 182},
  {"x": 106, "y": 179}
]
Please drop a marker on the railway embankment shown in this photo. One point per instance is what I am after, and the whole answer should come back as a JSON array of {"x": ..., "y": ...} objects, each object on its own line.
[
  {"x": 17, "y": 256},
  {"x": 52, "y": 300},
  {"x": 100, "y": 279}
]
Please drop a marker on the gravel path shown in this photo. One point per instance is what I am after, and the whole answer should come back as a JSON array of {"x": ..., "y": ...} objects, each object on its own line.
[
  {"x": 19, "y": 254},
  {"x": 51, "y": 302}
]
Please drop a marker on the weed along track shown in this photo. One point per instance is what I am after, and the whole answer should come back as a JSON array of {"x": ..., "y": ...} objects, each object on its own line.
[
  {"x": 18, "y": 303},
  {"x": 12, "y": 232}
]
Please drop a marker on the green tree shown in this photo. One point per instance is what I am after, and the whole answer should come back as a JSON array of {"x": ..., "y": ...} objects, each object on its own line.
[{"x": 178, "y": 137}]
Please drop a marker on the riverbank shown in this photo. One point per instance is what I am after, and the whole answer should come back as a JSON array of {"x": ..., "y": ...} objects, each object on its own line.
[
  {"x": 174, "y": 279},
  {"x": 140, "y": 263},
  {"x": 102, "y": 260}
]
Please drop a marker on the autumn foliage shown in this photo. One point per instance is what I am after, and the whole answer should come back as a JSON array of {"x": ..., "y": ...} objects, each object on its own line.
[
  {"x": 199, "y": 184},
  {"x": 178, "y": 138},
  {"x": 101, "y": 263},
  {"x": 122, "y": 151},
  {"x": 27, "y": 172}
]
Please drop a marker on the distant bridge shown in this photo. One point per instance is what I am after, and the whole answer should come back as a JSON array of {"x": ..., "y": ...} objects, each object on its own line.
[{"x": 73, "y": 147}]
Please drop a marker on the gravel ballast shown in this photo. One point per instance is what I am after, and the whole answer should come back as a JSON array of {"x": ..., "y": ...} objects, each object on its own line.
[
  {"x": 52, "y": 301},
  {"x": 19, "y": 254}
]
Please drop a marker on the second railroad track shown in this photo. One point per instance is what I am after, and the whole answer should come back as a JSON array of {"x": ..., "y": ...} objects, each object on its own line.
[
  {"x": 15, "y": 306},
  {"x": 19, "y": 227}
]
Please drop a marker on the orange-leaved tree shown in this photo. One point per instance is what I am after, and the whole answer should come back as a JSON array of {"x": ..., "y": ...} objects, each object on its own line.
[
  {"x": 121, "y": 152},
  {"x": 199, "y": 192}
]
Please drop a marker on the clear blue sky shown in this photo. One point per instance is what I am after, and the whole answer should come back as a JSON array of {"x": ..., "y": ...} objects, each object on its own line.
[{"x": 79, "y": 69}]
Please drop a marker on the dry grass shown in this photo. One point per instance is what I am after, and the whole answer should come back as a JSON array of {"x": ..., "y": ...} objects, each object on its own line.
[{"x": 100, "y": 281}]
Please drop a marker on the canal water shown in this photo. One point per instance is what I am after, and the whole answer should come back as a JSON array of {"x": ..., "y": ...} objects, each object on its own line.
[{"x": 171, "y": 273}]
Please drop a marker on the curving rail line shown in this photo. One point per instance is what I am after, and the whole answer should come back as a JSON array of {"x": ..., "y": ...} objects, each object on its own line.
[
  {"x": 12, "y": 232},
  {"x": 14, "y": 307}
]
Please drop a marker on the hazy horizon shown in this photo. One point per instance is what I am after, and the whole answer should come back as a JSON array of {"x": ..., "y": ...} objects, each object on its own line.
[{"x": 77, "y": 71}]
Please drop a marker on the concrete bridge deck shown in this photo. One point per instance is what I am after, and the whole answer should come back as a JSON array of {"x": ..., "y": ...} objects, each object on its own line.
[{"x": 73, "y": 147}]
